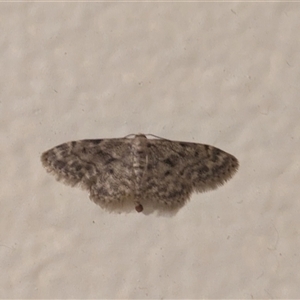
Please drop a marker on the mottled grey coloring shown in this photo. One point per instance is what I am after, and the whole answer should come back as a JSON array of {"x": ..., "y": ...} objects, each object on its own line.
[{"x": 146, "y": 174}]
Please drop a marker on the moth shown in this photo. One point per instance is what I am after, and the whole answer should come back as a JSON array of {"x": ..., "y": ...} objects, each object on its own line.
[{"x": 136, "y": 172}]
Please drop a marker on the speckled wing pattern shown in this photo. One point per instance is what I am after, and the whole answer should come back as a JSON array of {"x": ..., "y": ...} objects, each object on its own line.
[
  {"x": 145, "y": 174},
  {"x": 178, "y": 169}
]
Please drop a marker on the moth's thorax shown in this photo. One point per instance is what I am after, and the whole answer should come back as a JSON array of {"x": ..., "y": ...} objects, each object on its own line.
[{"x": 139, "y": 159}]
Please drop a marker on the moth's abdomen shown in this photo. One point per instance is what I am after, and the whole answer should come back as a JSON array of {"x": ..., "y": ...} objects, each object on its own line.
[{"x": 139, "y": 159}]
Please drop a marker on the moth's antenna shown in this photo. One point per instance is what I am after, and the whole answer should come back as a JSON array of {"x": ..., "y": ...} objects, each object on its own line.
[
  {"x": 132, "y": 135},
  {"x": 155, "y": 136}
]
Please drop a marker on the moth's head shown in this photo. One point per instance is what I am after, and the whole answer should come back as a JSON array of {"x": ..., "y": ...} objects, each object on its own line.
[{"x": 140, "y": 135}]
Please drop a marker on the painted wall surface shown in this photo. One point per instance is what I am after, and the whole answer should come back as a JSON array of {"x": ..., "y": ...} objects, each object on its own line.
[{"x": 223, "y": 74}]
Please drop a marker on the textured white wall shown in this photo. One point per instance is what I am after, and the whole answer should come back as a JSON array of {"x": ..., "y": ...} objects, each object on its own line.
[{"x": 225, "y": 74}]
